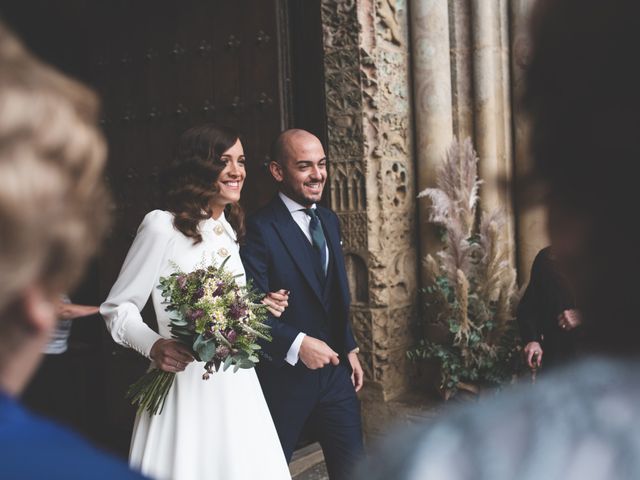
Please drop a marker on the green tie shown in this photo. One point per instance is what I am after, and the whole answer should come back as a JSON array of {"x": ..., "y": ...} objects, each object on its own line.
[{"x": 318, "y": 240}]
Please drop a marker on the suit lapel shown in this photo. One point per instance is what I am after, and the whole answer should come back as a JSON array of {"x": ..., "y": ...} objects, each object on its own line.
[
  {"x": 335, "y": 250},
  {"x": 294, "y": 241}
]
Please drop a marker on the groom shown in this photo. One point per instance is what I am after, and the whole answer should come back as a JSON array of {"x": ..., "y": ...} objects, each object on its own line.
[{"x": 313, "y": 372}]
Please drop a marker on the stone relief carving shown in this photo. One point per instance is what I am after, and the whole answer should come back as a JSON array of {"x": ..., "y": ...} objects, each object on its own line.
[
  {"x": 342, "y": 70},
  {"x": 361, "y": 322},
  {"x": 389, "y": 330},
  {"x": 395, "y": 182},
  {"x": 354, "y": 231},
  {"x": 358, "y": 276},
  {"x": 343, "y": 99},
  {"x": 340, "y": 23},
  {"x": 393, "y": 280},
  {"x": 386, "y": 10},
  {"x": 348, "y": 191},
  {"x": 391, "y": 337},
  {"x": 372, "y": 175},
  {"x": 391, "y": 367}
]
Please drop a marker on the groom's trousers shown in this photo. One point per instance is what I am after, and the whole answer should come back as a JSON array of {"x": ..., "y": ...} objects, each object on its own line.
[{"x": 325, "y": 401}]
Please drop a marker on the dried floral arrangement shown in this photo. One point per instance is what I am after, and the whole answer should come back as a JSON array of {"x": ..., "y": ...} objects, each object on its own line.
[{"x": 471, "y": 288}]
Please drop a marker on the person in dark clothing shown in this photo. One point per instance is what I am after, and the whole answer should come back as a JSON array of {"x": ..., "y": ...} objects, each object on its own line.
[
  {"x": 54, "y": 210},
  {"x": 547, "y": 315},
  {"x": 312, "y": 372}
]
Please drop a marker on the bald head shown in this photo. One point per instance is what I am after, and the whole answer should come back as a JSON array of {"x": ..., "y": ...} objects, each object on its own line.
[
  {"x": 285, "y": 146},
  {"x": 299, "y": 165}
]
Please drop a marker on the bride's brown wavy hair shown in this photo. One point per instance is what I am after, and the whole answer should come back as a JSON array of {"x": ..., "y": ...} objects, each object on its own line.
[{"x": 189, "y": 182}]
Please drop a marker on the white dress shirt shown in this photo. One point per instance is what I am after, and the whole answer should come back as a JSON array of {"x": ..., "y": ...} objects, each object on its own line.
[{"x": 297, "y": 211}]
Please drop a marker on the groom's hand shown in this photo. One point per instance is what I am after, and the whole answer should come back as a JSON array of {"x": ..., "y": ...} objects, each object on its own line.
[
  {"x": 357, "y": 377},
  {"x": 316, "y": 354}
]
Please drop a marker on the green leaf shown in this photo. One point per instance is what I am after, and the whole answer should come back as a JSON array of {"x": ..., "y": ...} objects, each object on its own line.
[
  {"x": 207, "y": 350},
  {"x": 181, "y": 330},
  {"x": 222, "y": 340},
  {"x": 204, "y": 348},
  {"x": 227, "y": 362},
  {"x": 224, "y": 262},
  {"x": 198, "y": 341}
]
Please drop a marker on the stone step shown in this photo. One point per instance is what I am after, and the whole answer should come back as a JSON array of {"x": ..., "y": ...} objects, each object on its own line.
[{"x": 305, "y": 459}]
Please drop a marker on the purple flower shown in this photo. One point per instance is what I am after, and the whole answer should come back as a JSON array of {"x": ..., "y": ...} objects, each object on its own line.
[
  {"x": 218, "y": 291},
  {"x": 182, "y": 281},
  {"x": 193, "y": 315},
  {"x": 222, "y": 352},
  {"x": 198, "y": 294},
  {"x": 231, "y": 336},
  {"x": 209, "y": 330},
  {"x": 237, "y": 310}
]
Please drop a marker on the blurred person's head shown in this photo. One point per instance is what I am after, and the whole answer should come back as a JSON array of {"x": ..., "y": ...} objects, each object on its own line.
[
  {"x": 53, "y": 205},
  {"x": 299, "y": 166},
  {"x": 206, "y": 177},
  {"x": 583, "y": 93}
]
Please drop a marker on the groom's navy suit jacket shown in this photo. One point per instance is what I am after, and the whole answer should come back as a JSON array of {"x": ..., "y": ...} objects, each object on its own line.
[{"x": 277, "y": 255}]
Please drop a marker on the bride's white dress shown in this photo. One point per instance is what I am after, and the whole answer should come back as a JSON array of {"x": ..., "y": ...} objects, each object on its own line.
[{"x": 214, "y": 429}]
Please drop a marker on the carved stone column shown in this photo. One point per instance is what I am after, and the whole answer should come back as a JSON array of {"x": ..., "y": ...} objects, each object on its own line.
[
  {"x": 461, "y": 68},
  {"x": 492, "y": 104},
  {"x": 372, "y": 182},
  {"x": 462, "y": 87},
  {"x": 531, "y": 220},
  {"x": 432, "y": 101}
]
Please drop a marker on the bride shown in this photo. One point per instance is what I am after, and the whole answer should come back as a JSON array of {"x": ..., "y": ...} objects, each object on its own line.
[{"x": 221, "y": 427}]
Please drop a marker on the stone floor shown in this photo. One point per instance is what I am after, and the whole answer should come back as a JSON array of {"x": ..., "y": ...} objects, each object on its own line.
[
  {"x": 308, "y": 463},
  {"x": 317, "y": 472}
]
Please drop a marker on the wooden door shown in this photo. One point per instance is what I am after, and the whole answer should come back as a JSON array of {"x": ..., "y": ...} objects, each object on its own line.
[
  {"x": 160, "y": 67},
  {"x": 163, "y": 66}
]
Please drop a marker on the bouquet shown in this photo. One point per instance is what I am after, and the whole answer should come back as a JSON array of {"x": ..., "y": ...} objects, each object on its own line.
[{"x": 216, "y": 318}]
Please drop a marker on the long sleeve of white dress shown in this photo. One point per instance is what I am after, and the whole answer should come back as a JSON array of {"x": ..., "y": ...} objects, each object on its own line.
[
  {"x": 138, "y": 277},
  {"x": 172, "y": 445}
]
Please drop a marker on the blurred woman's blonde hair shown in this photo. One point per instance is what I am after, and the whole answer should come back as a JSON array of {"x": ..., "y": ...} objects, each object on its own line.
[{"x": 53, "y": 203}]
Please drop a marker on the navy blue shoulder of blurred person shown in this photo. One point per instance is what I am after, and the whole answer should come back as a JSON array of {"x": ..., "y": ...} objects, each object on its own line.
[{"x": 34, "y": 448}]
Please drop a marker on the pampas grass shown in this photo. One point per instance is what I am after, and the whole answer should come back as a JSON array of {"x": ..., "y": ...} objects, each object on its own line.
[{"x": 471, "y": 284}]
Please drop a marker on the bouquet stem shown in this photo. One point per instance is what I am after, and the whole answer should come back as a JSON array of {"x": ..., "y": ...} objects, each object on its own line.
[{"x": 150, "y": 391}]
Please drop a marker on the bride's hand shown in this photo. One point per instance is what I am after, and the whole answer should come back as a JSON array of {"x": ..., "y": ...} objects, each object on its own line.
[
  {"x": 170, "y": 355},
  {"x": 276, "y": 302}
]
